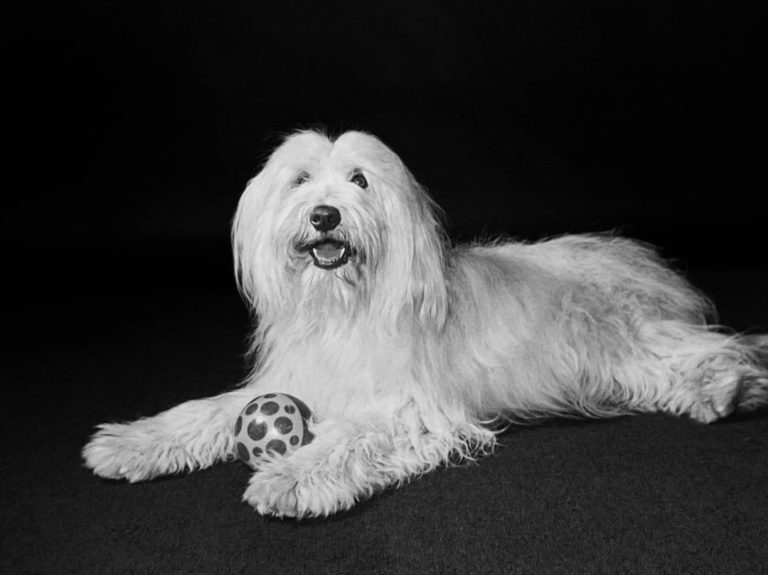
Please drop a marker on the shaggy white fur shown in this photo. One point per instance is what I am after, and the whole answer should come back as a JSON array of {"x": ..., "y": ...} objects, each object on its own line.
[{"x": 409, "y": 351}]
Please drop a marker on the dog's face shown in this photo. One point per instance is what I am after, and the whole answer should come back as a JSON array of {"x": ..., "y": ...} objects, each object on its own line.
[
  {"x": 331, "y": 207},
  {"x": 335, "y": 221}
]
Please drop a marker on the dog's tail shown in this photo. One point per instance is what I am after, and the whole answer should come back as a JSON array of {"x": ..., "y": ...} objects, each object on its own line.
[{"x": 753, "y": 393}]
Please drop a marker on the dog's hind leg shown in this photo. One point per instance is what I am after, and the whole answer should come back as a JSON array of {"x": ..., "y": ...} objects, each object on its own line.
[
  {"x": 192, "y": 435},
  {"x": 700, "y": 372}
]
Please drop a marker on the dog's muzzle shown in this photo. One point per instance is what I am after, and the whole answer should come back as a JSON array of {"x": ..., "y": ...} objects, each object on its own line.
[{"x": 328, "y": 252}]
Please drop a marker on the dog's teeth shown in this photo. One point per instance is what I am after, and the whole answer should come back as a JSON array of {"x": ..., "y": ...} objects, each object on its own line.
[{"x": 328, "y": 253}]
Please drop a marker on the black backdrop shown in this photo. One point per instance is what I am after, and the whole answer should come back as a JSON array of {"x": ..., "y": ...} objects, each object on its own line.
[{"x": 144, "y": 120}]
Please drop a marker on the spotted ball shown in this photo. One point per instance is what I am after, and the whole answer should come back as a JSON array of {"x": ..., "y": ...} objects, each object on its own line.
[{"x": 274, "y": 423}]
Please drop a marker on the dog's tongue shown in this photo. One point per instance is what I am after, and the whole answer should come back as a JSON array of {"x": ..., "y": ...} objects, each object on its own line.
[{"x": 329, "y": 250}]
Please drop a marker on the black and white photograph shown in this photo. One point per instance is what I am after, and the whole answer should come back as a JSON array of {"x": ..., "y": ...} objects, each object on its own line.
[{"x": 385, "y": 288}]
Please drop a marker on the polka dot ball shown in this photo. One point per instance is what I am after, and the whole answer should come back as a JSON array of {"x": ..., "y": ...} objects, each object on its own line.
[{"x": 273, "y": 423}]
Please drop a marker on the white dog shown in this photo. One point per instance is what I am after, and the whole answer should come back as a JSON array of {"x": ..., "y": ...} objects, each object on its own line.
[{"x": 409, "y": 352}]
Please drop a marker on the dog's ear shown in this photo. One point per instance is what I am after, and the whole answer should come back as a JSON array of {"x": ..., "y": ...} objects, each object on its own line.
[
  {"x": 415, "y": 254},
  {"x": 243, "y": 245},
  {"x": 254, "y": 252}
]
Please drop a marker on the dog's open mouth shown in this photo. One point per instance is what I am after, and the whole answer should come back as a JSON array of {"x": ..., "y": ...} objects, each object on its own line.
[{"x": 329, "y": 254}]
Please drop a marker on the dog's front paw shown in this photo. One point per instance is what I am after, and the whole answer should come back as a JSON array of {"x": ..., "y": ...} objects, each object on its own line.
[
  {"x": 128, "y": 451},
  {"x": 283, "y": 489}
]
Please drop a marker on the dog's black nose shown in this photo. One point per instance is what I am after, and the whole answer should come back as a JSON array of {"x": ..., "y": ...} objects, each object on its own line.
[{"x": 324, "y": 218}]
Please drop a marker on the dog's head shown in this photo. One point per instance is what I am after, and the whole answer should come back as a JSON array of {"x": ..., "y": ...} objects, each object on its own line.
[{"x": 343, "y": 222}]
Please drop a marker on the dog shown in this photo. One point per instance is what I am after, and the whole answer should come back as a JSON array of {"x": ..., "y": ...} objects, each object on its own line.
[{"x": 412, "y": 353}]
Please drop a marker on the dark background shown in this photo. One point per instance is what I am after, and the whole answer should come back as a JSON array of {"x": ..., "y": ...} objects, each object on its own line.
[
  {"x": 134, "y": 127},
  {"x": 146, "y": 119}
]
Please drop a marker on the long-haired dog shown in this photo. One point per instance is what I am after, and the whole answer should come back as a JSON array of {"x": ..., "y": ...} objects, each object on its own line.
[{"x": 410, "y": 352}]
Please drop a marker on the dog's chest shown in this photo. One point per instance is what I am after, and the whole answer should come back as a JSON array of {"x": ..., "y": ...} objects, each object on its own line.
[{"x": 338, "y": 373}]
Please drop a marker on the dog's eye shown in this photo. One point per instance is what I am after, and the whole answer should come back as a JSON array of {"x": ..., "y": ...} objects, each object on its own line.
[
  {"x": 302, "y": 178},
  {"x": 359, "y": 180}
]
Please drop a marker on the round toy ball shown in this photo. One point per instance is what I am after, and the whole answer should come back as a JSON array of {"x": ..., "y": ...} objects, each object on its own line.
[{"x": 273, "y": 423}]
